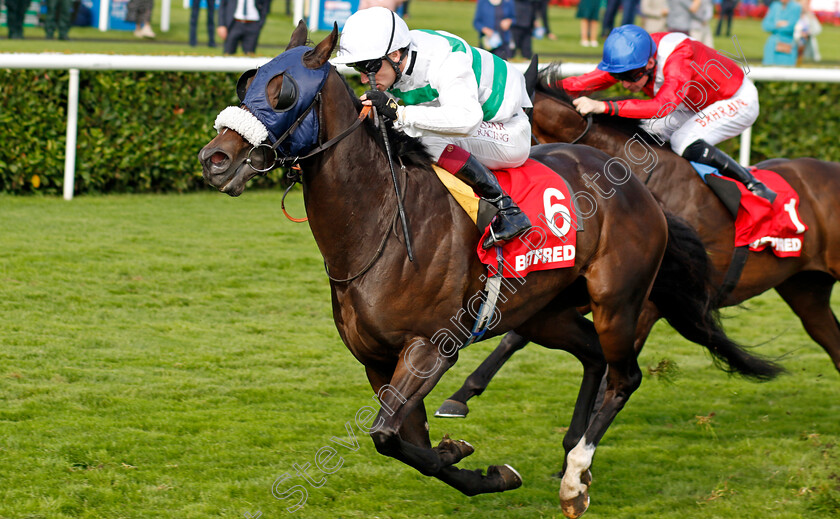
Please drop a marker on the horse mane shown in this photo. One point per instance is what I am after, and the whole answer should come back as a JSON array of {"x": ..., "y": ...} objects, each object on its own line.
[
  {"x": 409, "y": 150},
  {"x": 628, "y": 126}
]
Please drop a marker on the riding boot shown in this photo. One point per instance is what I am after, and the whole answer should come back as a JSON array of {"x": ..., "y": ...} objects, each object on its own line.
[
  {"x": 510, "y": 221},
  {"x": 704, "y": 153}
]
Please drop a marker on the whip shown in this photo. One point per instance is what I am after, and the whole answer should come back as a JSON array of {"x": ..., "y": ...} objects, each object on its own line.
[{"x": 372, "y": 79}]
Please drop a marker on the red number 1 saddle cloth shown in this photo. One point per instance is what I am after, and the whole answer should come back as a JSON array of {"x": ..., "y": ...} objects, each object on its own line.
[{"x": 758, "y": 223}]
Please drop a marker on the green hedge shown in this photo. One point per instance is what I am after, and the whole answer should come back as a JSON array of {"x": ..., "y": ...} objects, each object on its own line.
[
  {"x": 141, "y": 131},
  {"x": 137, "y": 131},
  {"x": 797, "y": 120}
]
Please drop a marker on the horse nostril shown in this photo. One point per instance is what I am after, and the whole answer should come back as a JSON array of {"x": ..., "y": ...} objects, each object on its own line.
[
  {"x": 218, "y": 157},
  {"x": 214, "y": 159}
]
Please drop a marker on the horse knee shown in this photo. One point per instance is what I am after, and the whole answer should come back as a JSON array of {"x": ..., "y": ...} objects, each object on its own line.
[
  {"x": 386, "y": 441},
  {"x": 634, "y": 380}
]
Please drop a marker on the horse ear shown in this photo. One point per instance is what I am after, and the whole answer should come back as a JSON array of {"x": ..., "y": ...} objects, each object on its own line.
[
  {"x": 299, "y": 36},
  {"x": 316, "y": 57}
]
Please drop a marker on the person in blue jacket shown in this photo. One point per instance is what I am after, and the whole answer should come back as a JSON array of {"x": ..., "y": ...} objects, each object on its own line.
[
  {"x": 493, "y": 19},
  {"x": 780, "y": 20}
]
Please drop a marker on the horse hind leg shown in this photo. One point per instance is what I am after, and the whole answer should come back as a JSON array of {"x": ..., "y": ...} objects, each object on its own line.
[
  {"x": 809, "y": 295},
  {"x": 415, "y": 430},
  {"x": 456, "y": 405}
]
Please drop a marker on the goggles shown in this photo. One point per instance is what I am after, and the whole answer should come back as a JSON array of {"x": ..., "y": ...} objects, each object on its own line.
[
  {"x": 631, "y": 76},
  {"x": 368, "y": 66}
]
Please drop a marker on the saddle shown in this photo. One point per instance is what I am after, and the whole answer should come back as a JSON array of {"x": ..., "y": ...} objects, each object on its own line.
[
  {"x": 546, "y": 198},
  {"x": 757, "y": 222}
]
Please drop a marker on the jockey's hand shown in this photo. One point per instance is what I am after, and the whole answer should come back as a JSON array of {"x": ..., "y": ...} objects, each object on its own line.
[
  {"x": 384, "y": 103},
  {"x": 588, "y": 106}
]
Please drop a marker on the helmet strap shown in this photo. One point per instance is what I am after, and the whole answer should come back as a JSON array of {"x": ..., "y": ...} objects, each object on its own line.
[
  {"x": 396, "y": 64},
  {"x": 650, "y": 72}
]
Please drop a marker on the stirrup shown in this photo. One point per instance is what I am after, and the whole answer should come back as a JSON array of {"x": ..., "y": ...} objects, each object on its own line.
[{"x": 759, "y": 189}]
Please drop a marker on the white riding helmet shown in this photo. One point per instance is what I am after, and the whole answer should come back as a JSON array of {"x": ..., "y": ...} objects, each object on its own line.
[{"x": 371, "y": 33}]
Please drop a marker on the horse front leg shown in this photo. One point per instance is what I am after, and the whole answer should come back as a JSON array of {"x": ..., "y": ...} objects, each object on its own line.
[
  {"x": 399, "y": 430},
  {"x": 456, "y": 405},
  {"x": 616, "y": 329}
]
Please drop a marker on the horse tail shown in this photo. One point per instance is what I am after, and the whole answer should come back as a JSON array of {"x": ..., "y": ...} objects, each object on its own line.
[{"x": 684, "y": 295}]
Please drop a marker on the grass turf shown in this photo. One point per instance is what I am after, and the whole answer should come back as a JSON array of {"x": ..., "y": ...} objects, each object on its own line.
[{"x": 174, "y": 356}]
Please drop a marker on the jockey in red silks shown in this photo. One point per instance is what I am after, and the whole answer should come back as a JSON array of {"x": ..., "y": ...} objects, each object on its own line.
[
  {"x": 464, "y": 104},
  {"x": 698, "y": 97}
]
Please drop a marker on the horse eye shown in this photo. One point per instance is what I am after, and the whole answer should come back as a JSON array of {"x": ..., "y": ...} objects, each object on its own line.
[{"x": 287, "y": 98}]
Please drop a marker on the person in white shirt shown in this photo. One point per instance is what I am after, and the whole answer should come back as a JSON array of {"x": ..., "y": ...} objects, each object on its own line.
[
  {"x": 241, "y": 21},
  {"x": 465, "y": 104}
]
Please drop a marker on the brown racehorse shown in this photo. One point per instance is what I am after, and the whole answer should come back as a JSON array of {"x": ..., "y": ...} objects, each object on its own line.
[
  {"x": 388, "y": 310},
  {"x": 805, "y": 283}
]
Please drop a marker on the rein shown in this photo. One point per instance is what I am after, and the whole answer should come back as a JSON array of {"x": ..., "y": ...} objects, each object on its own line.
[
  {"x": 294, "y": 173},
  {"x": 585, "y": 130},
  {"x": 376, "y": 255}
]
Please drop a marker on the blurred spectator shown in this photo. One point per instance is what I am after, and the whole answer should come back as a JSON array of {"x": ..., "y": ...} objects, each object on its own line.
[
  {"x": 609, "y": 17},
  {"x": 140, "y": 12},
  {"x": 82, "y": 15},
  {"x": 629, "y": 10},
  {"x": 241, "y": 21},
  {"x": 653, "y": 14},
  {"x": 679, "y": 15},
  {"x": 727, "y": 11},
  {"x": 59, "y": 14},
  {"x": 780, "y": 21},
  {"x": 524, "y": 15},
  {"x": 15, "y": 12},
  {"x": 493, "y": 20},
  {"x": 541, "y": 27},
  {"x": 195, "y": 9},
  {"x": 393, "y": 5},
  {"x": 702, "y": 12},
  {"x": 805, "y": 33},
  {"x": 587, "y": 12}
]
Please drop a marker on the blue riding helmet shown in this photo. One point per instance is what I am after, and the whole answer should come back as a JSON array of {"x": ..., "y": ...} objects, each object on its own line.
[{"x": 627, "y": 48}]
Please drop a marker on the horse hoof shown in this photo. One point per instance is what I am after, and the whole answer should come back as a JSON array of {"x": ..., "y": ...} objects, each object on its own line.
[
  {"x": 509, "y": 476},
  {"x": 452, "y": 409},
  {"x": 576, "y": 506},
  {"x": 456, "y": 449}
]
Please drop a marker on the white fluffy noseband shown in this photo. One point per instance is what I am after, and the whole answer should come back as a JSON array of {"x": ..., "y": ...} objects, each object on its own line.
[{"x": 242, "y": 122}]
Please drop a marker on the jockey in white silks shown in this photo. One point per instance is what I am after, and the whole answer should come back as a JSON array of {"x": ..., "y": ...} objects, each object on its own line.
[{"x": 464, "y": 104}]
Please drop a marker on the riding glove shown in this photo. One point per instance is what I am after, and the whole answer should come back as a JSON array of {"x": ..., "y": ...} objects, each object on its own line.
[{"x": 385, "y": 103}]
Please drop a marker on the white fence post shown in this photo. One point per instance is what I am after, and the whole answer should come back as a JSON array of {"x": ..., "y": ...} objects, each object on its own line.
[
  {"x": 165, "y": 9},
  {"x": 104, "y": 13},
  {"x": 72, "y": 125},
  {"x": 746, "y": 139}
]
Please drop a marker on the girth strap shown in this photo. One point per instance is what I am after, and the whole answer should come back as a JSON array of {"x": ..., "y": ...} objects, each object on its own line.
[{"x": 733, "y": 274}]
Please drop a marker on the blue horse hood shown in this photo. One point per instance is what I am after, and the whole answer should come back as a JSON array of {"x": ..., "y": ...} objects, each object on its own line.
[{"x": 306, "y": 85}]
